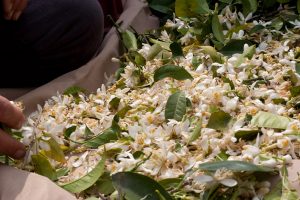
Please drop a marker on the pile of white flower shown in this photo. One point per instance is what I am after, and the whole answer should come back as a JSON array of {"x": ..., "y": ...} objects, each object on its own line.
[{"x": 197, "y": 120}]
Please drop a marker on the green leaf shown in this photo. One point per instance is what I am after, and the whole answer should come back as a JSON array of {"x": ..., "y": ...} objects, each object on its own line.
[
  {"x": 219, "y": 120},
  {"x": 161, "y": 3},
  {"x": 196, "y": 132},
  {"x": 226, "y": 1},
  {"x": 164, "y": 45},
  {"x": 43, "y": 167},
  {"x": 74, "y": 91},
  {"x": 252, "y": 80},
  {"x": 69, "y": 131},
  {"x": 256, "y": 29},
  {"x": 246, "y": 134},
  {"x": 114, "y": 103},
  {"x": 295, "y": 91},
  {"x": 154, "y": 51},
  {"x": 209, "y": 194},
  {"x": 62, "y": 172},
  {"x": 268, "y": 3},
  {"x": 136, "y": 186},
  {"x": 211, "y": 51},
  {"x": 191, "y": 8},
  {"x": 176, "y": 49},
  {"x": 173, "y": 71},
  {"x": 292, "y": 76},
  {"x": 270, "y": 120},
  {"x": 109, "y": 135},
  {"x": 86, "y": 181},
  {"x": 129, "y": 40},
  {"x": 55, "y": 153},
  {"x": 277, "y": 24},
  {"x": 227, "y": 80},
  {"x": 234, "y": 46},
  {"x": 275, "y": 193},
  {"x": 249, "y": 6},
  {"x": 248, "y": 53},
  {"x": 104, "y": 185},
  {"x": 170, "y": 183},
  {"x": 279, "y": 101},
  {"x": 222, "y": 156},
  {"x": 195, "y": 62},
  {"x": 122, "y": 113},
  {"x": 235, "y": 166},
  {"x": 161, "y": 8},
  {"x": 176, "y": 106},
  {"x": 298, "y": 67},
  {"x": 283, "y": 1},
  {"x": 88, "y": 133},
  {"x": 298, "y": 6},
  {"x": 137, "y": 58},
  {"x": 188, "y": 103},
  {"x": 217, "y": 29}
]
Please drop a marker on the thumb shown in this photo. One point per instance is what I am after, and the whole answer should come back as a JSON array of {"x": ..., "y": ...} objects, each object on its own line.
[{"x": 11, "y": 147}]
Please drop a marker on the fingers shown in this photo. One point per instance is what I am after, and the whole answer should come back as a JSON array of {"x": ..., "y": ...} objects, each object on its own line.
[
  {"x": 11, "y": 147},
  {"x": 7, "y": 9},
  {"x": 10, "y": 114},
  {"x": 18, "y": 7},
  {"x": 13, "y": 8}
]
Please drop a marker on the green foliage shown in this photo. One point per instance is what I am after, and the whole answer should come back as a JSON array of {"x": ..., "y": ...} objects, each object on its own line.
[
  {"x": 219, "y": 120},
  {"x": 196, "y": 132},
  {"x": 55, "y": 152},
  {"x": 270, "y": 120},
  {"x": 173, "y": 71},
  {"x": 154, "y": 51},
  {"x": 114, "y": 103},
  {"x": 211, "y": 51},
  {"x": 191, "y": 8},
  {"x": 234, "y": 46},
  {"x": 176, "y": 49},
  {"x": 217, "y": 29},
  {"x": 295, "y": 91},
  {"x": 129, "y": 40},
  {"x": 109, "y": 135},
  {"x": 176, "y": 106},
  {"x": 235, "y": 166},
  {"x": 43, "y": 167},
  {"x": 69, "y": 131},
  {"x": 86, "y": 181},
  {"x": 249, "y": 6},
  {"x": 135, "y": 186},
  {"x": 246, "y": 134},
  {"x": 74, "y": 91}
]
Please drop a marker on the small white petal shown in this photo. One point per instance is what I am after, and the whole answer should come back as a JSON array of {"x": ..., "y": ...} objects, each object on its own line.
[
  {"x": 229, "y": 182},
  {"x": 204, "y": 179}
]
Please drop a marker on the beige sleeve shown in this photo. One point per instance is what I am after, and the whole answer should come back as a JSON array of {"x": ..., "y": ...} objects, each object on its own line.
[{"x": 20, "y": 185}]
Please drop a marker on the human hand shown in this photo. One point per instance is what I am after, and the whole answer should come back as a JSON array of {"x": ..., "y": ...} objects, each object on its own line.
[
  {"x": 12, "y": 117},
  {"x": 13, "y": 9}
]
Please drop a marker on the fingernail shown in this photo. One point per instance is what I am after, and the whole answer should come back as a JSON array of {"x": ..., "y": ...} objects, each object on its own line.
[
  {"x": 16, "y": 16},
  {"x": 19, "y": 154},
  {"x": 20, "y": 124}
]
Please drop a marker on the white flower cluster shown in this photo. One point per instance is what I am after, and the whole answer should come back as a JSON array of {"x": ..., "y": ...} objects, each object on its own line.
[{"x": 166, "y": 144}]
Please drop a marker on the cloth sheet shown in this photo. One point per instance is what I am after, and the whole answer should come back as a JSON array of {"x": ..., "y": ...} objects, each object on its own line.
[{"x": 21, "y": 185}]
